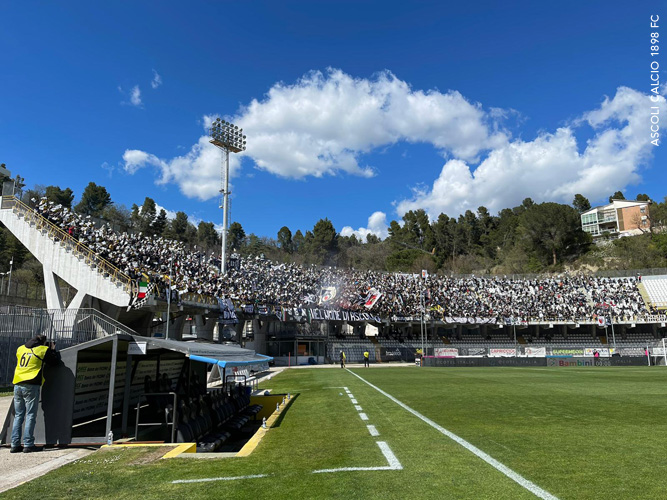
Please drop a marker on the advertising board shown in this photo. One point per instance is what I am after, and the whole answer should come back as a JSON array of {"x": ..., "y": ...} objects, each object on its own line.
[
  {"x": 535, "y": 352},
  {"x": 502, "y": 353},
  {"x": 446, "y": 352}
]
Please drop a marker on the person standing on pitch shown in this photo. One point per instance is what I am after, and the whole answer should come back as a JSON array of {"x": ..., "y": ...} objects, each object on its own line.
[
  {"x": 342, "y": 359},
  {"x": 28, "y": 379},
  {"x": 367, "y": 361}
]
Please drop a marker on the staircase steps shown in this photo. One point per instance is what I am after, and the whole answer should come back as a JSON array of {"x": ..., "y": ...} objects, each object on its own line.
[
  {"x": 63, "y": 255},
  {"x": 644, "y": 294}
]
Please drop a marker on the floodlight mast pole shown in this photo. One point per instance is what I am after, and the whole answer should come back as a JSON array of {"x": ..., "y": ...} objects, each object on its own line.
[
  {"x": 611, "y": 319},
  {"x": 230, "y": 139},
  {"x": 225, "y": 208},
  {"x": 422, "y": 322}
]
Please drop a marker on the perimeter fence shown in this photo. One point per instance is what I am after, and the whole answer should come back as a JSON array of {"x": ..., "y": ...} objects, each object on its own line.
[{"x": 64, "y": 327}]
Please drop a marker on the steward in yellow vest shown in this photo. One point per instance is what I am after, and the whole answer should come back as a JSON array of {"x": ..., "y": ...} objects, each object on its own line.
[
  {"x": 28, "y": 379},
  {"x": 30, "y": 365}
]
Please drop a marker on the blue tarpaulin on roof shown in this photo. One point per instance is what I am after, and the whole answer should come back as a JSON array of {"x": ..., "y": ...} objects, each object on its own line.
[{"x": 222, "y": 363}]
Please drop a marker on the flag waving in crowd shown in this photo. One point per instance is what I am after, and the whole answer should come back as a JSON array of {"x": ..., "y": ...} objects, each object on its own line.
[
  {"x": 144, "y": 291},
  {"x": 327, "y": 294},
  {"x": 372, "y": 298}
]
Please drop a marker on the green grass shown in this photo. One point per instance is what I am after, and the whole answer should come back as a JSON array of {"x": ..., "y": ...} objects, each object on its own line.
[
  {"x": 586, "y": 433},
  {"x": 6, "y": 391}
]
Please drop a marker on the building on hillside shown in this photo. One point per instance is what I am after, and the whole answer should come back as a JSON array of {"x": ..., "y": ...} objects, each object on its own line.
[{"x": 617, "y": 219}]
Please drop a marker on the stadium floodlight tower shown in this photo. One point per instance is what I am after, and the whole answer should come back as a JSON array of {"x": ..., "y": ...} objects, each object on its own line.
[{"x": 229, "y": 138}]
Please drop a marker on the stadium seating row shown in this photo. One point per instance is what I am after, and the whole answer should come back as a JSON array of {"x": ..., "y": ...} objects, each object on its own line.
[
  {"x": 657, "y": 290},
  {"x": 208, "y": 418},
  {"x": 212, "y": 419}
]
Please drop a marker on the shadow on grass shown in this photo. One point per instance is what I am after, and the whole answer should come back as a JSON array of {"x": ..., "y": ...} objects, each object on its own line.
[{"x": 283, "y": 411}]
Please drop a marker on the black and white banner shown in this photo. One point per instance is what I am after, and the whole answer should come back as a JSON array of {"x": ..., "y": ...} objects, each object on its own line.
[
  {"x": 465, "y": 320},
  {"x": 472, "y": 351},
  {"x": 227, "y": 313}
]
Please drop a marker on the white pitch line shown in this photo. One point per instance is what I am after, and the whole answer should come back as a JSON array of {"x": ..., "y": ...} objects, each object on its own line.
[
  {"x": 346, "y": 389},
  {"x": 374, "y": 432},
  {"x": 389, "y": 455},
  {"x": 354, "y": 401},
  {"x": 351, "y": 395},
  {"x": 363, "y": 416},
  {"x": 357, "y": 407},
  {"x": 393, "y": 462},
  {"x": 206, "y": 480},
  {"x": 514, "y": 476}
]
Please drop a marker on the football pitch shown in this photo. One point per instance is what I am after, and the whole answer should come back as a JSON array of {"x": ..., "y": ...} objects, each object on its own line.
[{"x": 409, "y": 432}]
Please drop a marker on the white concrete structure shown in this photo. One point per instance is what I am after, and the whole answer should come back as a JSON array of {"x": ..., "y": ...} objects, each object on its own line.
[{"x": 63, "y": 259}]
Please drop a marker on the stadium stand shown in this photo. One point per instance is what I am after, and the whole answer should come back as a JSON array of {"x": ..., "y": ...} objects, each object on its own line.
[
  {"x": 259, "y": 281},
  {"x": 480, "y": 303},
  {"x": 656, "y": 288}
]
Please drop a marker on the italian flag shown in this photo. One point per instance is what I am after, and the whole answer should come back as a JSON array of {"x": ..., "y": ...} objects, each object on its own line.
[{"x": 143, "y": 288}]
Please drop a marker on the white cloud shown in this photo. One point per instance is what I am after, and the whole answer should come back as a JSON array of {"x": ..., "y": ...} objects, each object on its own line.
[
  {"x": 135, "y": 96},
  {"x": 377, "y": 225},
  {"x": 171, "y": 215},
  {"x": 323, "y": 124},
  {"x": 551, "y": 167},
  {"x": 157, "y": 80},
  {"x": 207, "y": 121},
  {"x": 197, "y": 173},
  {"x": 109, "y": 168},
  {"x": 135, "y": 159}
]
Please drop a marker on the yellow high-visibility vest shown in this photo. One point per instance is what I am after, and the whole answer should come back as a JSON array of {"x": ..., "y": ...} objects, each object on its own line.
[
  {"x": 366, "y": 354},
  {"x": 29, "y": 362}
]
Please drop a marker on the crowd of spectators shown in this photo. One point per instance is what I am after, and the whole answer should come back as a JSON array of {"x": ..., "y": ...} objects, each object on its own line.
[{"x": 262, "y": 282}]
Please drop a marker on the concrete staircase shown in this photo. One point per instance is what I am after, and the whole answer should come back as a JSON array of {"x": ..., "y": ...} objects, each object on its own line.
[
  {"x": 644, "y": 293},
  {"x": 65, "y": 257}
]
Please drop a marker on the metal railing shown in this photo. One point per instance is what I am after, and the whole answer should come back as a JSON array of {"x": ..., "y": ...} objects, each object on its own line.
[
  {"x": 58, "y": 235},
  {"x": 64, "y": 327},
  {"x": 20, "y": 290},
  {"x": 167, "y": 414}
]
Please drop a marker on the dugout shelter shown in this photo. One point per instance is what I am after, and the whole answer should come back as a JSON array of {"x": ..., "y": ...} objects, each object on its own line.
[{"x": 100, "y": 386}]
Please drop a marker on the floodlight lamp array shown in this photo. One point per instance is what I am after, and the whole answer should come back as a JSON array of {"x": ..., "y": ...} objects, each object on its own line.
[{"x": 228, "y": 135}]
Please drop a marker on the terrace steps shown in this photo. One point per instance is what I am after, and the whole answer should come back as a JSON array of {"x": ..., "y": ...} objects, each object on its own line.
[{"x": 644, "y": 293}]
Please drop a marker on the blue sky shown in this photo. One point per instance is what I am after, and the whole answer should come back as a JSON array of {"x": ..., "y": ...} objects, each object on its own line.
[{"x": 355, "y": 111}]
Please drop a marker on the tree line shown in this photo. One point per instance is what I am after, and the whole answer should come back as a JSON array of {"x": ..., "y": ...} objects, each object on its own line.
[{"x": 529, "y": 238}]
